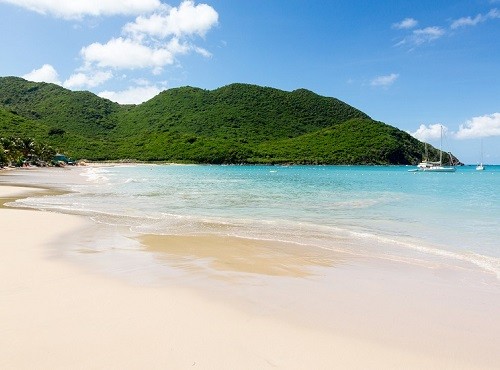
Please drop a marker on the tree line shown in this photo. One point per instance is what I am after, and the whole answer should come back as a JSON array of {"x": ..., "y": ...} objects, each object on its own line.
[
  {"x": 20, "y": 151},
  {"x": 237, "y": 123}
]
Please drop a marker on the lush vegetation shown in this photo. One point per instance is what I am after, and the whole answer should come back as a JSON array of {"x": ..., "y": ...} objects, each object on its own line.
[
  {"x": 238, "y": 123},
  {"x": 21, "y": 151}
]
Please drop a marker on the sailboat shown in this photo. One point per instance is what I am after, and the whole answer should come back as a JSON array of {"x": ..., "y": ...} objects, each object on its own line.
[
  {"x": 480, "y": 166},
  {"x": 428, "y": 166}
]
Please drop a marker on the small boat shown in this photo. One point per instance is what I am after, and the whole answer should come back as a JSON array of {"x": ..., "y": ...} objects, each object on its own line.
[{"x": 428, "y": 166}]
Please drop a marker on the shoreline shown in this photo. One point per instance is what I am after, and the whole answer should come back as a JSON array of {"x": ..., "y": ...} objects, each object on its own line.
[
  {"x": 234, "y": 335},
  {"x": 58, "y": 316}
]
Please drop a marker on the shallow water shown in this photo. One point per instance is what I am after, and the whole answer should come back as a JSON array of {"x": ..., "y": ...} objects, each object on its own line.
[
  {"x": 355, "y": 241},
  {"x": 432, "y": 219}
]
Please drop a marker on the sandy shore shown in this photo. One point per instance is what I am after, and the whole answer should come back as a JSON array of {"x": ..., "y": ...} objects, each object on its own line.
[{"x": 60, "y": 315}]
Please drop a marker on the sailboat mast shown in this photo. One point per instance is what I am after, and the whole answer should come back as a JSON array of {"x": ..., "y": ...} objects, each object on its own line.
[
  {"x": 441, "y": 147},
  {"x": 482, "y": 160}
]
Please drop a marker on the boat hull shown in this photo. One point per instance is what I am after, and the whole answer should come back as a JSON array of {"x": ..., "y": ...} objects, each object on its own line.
[
  {"x": 439, "y": 169},
  {"x": 434, "y": 169}
]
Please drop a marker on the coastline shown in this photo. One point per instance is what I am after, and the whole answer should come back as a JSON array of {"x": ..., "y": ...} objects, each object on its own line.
[{"x": 65, "y": 315}]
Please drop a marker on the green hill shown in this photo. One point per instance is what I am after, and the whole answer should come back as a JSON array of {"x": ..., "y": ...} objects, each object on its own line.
[
  {"x": 237, "y": 123},
  {"x": 355, "y": 141},
  {"x": 239, "y": 111},
  {"x": 79, "y": 112},
  {"x": 12, "y": 124}
]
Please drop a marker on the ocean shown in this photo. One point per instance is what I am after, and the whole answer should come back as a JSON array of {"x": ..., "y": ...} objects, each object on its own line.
[{"x": 386, "y": 212}]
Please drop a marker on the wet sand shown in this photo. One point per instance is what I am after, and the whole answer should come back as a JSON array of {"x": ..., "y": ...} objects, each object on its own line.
[
  {"x": 445, "y": 316},
  {"x": 231, "y": 254},
  {"x": 238, "y": 304}
]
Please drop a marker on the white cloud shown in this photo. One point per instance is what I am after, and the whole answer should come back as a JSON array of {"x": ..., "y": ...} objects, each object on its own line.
[
  {"x": 422, "y": 35},
  {"x": 202, "y": 52},
  {"x": 157, "y": 38},
  {"x": 384, "y": 81},
  {"x": 46, "y": 73},
  {"x": 75, "y": 9},
  {"x": 405, "y": 24},
  {"x": 132, "y": 95},
  {"x": 123, "y": 53},
  {"x": 154, "y": 41},
  {"x": 187, "y": 19},
  {"x": 482, "y": 126},
  {"x": 89, "y": 80},
  {"x": 430, "y": 132},
  {"x": 480, "y": 18},
  {"x": 427, "y": 34}
]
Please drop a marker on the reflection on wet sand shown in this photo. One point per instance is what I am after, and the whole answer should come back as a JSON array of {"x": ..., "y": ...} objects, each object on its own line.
[{"x": 231, "y": 254}]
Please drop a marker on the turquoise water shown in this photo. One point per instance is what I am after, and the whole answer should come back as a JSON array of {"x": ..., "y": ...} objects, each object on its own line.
[{"x": 386, "y": 212}]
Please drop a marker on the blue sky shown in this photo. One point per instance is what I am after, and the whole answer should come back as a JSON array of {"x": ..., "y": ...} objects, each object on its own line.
[{"x": 415, "y": 65}]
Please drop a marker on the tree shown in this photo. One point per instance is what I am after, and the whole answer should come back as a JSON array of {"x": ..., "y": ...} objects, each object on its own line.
[
  {"x": 15, "y": 150},
  {"x": 45, "y": 152},
  {"x": 11, "y": 149},
  {"x": 3, "y": 157},
  {"x": 26, "y": 146}
]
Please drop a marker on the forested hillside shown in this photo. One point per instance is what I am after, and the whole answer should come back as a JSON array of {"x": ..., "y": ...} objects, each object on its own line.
[{"x": 237, "y": 123}]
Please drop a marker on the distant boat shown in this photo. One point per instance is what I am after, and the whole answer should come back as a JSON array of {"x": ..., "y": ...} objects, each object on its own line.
[
  {"x": 480, "y": 166},
  {"x": 428, "y": 166}
]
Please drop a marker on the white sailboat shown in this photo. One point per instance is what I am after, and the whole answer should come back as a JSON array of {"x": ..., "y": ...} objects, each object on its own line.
[
  {"x": 428, "y": 166},
  {"x": 480, "y": 166}
]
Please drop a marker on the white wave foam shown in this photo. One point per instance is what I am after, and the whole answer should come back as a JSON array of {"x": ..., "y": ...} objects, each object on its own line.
[
  {"x": 95, "y": 175},
  {"x": 488, "y": 263}
]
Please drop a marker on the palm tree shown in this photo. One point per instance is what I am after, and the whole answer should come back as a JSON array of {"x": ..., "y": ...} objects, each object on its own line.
[
  {"x": 45, "y": 152},
  {"x": 26, "y": 146},
  {"x": 15, "y": 150},
  {"x": 3, "y": 157},
  {"x": 10, "y": 150}
]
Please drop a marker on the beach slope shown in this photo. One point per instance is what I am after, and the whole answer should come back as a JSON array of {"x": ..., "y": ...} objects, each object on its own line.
[{"x": 57, "y": 315}]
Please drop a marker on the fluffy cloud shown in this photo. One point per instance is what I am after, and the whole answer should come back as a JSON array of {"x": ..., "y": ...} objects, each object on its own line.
[
  {"x": 480, "y": 18},
  {"x": 75, "y": 9},
  {"x": 482, "y": 126},
  {"x": 87, "y": 80},
  {"x": 123, "y": 53},
  {"x": 157, "y": 38},
  {"x": 132, "y": 95},
  {"x": 430, "y": 132},
  {"x": 384, "y": 81},
  {"x": 154, "y": 41},
  {"x": 46, "y": 73},
  {"x": 405, "y": 24},
  {"x": 187, "y": 19}
]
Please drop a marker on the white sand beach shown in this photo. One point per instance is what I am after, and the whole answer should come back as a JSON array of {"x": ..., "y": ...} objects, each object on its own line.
[{"x": 56, "y": 314}]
